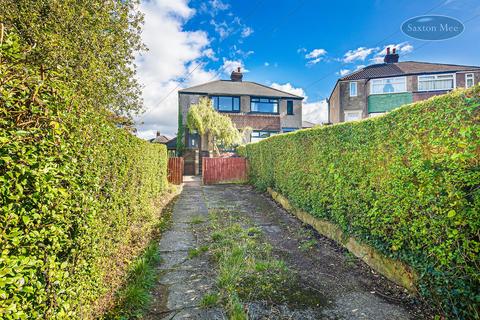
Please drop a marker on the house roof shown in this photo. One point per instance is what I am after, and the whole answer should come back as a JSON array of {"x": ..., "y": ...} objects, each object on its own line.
[
  {"x": 160, "y": 139},
  {"x": 404, "y": 68},
  {"x": 229, "y": 87},
  {"x": 172, "y": 143}
]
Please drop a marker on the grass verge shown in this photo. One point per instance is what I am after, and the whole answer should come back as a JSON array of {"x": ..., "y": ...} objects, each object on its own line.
[{"x": 134, "y": 297}]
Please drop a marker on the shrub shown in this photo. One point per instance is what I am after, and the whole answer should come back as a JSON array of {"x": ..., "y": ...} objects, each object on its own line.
[
  {"x": 407, "y": 183},
  {"x": 76, "y": 195}
]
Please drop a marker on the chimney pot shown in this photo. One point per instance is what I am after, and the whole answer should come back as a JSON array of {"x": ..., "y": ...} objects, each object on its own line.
[
  {"x": 391, "y": 57},
  {"x": 236, "y": 75}
]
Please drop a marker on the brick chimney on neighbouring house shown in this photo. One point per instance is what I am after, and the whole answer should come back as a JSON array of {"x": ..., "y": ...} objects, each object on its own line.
[
  {"x": 158, "y": 133},
  {"x": 391, "y": 57},
  {"x": 236, "y": 75}
]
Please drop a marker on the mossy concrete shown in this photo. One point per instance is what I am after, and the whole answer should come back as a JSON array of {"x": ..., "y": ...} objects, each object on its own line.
[{"x": 393, "y": 270}]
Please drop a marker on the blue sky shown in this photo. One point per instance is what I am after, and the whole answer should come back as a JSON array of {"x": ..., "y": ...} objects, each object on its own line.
[{"x": 298, "y": 46}]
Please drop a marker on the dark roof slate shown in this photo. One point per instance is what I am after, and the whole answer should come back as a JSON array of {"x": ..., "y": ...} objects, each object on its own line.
[
  {"x": 404, "y": 68},
  {"x": 228, "y": 87}
]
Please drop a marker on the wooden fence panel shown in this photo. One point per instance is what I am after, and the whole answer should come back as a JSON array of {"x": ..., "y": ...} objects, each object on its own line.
[
  {"x": 175, "y": 170},
  {"x": 224, "y": 170}
]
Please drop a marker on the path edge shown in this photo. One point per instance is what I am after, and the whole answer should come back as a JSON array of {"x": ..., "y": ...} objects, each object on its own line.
[{"x": 394, "y": 270}]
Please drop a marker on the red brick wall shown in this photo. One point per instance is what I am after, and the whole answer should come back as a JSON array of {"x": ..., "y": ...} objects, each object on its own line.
[{"x": 256, "y": 121}]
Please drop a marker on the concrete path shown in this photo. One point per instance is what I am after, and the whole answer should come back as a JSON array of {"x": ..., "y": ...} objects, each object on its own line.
[
  {"x": 184, "y": 280},
  {"x": 346, "y": 287}
]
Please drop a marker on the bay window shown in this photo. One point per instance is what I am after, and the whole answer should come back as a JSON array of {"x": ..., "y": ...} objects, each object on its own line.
[
  {"x": 388, "y": 85},
  {"x": 264, "y": 105},
  {"x": 436, "y": 82}
]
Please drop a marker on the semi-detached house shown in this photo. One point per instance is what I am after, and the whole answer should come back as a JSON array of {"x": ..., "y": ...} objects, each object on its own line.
[
  {"x": 267, "y": 111},
  {"x": 379, "y": 88}
]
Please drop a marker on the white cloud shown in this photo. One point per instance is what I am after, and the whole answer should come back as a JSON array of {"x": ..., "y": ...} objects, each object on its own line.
[
  {"x": 247, "y": 31},
  {"x": 266, "y": 64},
  {"x": 315, "y": 53},
  {"x": 230, "y": 65},
  {"x": 287, "y": 87},
  {"x": 360, "y": 66},
  {"x": 359, "y": 54},
  {"x": 344, "y": 72},
  {"x": 219, "y": 5},
  {"x": 209, "y": 53},
  {"x": 402, "y": 48},
  {"x": 222, "y": 28},
  {"x": 315, "y": 56},
  {"x": 316, "y": 111},
  {"x": 173, "y": 53}
]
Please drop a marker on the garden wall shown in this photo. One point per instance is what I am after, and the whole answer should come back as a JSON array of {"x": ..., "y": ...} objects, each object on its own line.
[
  {"x": 406, "y": 184},
  {"x": 76, "y": 196}
]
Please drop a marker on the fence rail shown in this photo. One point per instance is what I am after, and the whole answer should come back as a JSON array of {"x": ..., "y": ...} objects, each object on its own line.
[
  {"x": 224, "y": 170},
  {"x": 175, "y": 170}
]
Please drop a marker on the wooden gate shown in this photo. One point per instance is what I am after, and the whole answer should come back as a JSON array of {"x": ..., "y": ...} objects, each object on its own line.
[
  {"x": 224, "y": 170},
  {"x": 175, "y": 170}
]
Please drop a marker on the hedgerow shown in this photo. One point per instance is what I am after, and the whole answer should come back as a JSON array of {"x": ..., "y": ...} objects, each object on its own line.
[
  {"x": 407, "y": 183},
  {"x": 75, "y": 194}
]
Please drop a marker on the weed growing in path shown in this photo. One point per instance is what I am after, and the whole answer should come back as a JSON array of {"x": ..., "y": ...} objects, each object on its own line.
[{"x": 247, "y": 270}]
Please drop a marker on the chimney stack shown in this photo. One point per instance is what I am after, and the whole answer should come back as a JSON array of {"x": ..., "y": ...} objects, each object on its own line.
[
  {"x": 236, "y": 75},
  {"x": 391, "y": 57},
  {"x": 158, "y": 133}
]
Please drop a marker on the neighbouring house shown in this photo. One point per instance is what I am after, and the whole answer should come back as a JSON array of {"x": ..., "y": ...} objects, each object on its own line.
[
  {"x": 170, "y": 143},
  {"x": 160, "y": 138},
  {"x": 379, "y": 88},
  {"x": 267, "y": 111}
]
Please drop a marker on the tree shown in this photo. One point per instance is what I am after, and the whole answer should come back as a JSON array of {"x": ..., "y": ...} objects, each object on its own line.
[
  {"x": 91, "y": 44},
  {"x": 218, "y": 130}
]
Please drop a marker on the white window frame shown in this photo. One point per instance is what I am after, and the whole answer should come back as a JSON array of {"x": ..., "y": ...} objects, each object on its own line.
[
  {"x": 436, "y": 76},
  {"x": 466, "y": 79},
  {"x": 389, "y": 78},
  {"x": 354, "y": 83},
  {"x": 348, "y": 112}
]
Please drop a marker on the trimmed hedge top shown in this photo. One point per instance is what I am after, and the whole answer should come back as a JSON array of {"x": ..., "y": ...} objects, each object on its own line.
[{"x": 407, "y": 183}]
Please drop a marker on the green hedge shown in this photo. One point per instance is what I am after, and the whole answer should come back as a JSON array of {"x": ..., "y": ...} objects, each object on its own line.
[
  {"x": 407, "y": 183},
  {"x": 76, "y": 195}
]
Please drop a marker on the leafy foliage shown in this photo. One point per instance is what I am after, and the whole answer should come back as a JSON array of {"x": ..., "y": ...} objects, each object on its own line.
[
  {"x": 407, "y": 183},
  {"x": 218, "y": 129},
  {"x": 75, "y": 194},
  {"x": 91, "y": 43}
]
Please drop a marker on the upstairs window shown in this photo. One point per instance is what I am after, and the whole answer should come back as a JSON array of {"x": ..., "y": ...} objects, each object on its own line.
[
  {"x": 289, "y": 107},
  {"x": 388, "y": 85},
  {"x": 469, "y": 80},
  {"x": 264, "y": 105},
  {"x": 226, "y": 104},
  {"x": 436, "y": 82},
  {"x": 353, "y": 89}
]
